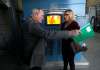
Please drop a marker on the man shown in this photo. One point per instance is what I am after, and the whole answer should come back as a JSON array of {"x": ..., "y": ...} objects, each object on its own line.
[{"x": 35, "y": 38}]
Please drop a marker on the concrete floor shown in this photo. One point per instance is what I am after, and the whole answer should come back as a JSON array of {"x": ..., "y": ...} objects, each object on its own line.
[{"x": 92, "y": 55}]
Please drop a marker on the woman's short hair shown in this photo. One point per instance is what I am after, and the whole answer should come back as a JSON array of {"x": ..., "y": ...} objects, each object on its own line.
[{"x": 68, "y": 10}]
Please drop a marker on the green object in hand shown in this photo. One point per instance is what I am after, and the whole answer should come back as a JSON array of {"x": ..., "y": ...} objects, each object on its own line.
[{"x": 86, "y": 32}]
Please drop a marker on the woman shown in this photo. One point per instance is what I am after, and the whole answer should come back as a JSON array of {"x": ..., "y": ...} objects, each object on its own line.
[{"x": 68, "y": 51}]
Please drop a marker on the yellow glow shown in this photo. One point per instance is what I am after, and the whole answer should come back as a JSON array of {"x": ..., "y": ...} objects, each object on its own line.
[{"x": 53, "y": 19}]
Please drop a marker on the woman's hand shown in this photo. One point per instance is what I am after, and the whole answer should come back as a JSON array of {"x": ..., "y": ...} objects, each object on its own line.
[{"x": 73, "y": 32}]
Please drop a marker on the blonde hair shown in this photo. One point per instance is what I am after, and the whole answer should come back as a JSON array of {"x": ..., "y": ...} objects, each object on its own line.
[
  {"x": 36, "y": 11},
  {"x": 69, "y": 10}
]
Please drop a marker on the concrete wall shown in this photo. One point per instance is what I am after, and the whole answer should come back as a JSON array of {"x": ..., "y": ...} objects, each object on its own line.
[
  {"x": 91, "y": 3},
  {"x": 77, "y": 5}
]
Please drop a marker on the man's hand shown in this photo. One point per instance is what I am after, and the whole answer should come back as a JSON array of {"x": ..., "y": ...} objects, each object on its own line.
[{"x": 74, "y": 32}]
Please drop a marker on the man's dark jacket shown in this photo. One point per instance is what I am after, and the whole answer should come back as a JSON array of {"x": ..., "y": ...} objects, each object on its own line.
[{"x": 35, "y": 41}]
